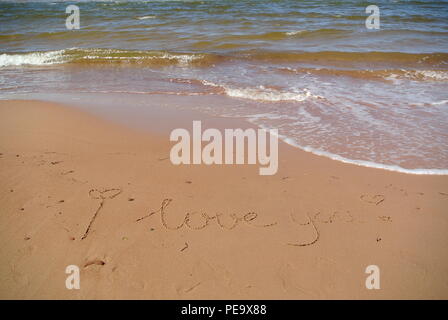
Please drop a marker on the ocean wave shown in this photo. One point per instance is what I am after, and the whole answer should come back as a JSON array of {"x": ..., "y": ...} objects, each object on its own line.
[
  {"x": 363, "y": 163},
  {"x": 281, "y": 35},
  {"x": 106, "y": 56},
  {"x": 259, "y": 93},
  {"x": 34, "y": 58},
  {"x": 145, "y": 17},
  {"x": 380, "y": 75},
  {"x": 293, "y": 33},
  {"x": 338, "y": 59},
  {"x": 153, "y": 58},
  {"x": 437, "y": 59},
  {"x": 435, "y": 103},
  {"x": 262, "y": 93},
  {"x": 418, "y": 75},
  {"x": 432, "y": 74}
]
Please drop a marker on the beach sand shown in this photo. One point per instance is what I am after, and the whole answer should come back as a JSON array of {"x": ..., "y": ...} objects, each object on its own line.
[{"x": 308, "y": 232}]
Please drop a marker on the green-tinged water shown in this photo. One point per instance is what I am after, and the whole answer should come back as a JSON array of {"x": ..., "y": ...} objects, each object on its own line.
[{"x": 309, "y": 68}]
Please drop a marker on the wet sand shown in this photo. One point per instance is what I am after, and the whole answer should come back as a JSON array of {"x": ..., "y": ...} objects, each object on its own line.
[{"x": 308, "y": 232}]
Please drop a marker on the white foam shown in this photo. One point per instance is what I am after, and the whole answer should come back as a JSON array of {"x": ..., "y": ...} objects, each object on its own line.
[
  {"x": 35, "y": 58},
  {"x": 293, "y": 33},
  {"x": 362, "y": 163},
  {"x": 418, "y": 75},
  {"x": 439, "y": 102},
  {"x": 433, "y": 75},
  {"x": 262, "y": 93},
  {"x": 436, "y": 103},
  {"x": 183, "y": 59},
  {"x": 61, "y": 56},
  {"x": 266, "y": 94},
  {"x": 146, "y": 17},
  {"x": 271, "y": 116}
]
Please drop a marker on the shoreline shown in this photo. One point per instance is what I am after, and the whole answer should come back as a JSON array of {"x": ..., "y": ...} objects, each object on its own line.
[
  {"x": 319, "y": 223},
  {"x": 172, "y": 115}
]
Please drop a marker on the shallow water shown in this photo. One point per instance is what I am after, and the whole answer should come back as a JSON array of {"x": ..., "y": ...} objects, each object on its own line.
[{"x": 311, "y": 68}]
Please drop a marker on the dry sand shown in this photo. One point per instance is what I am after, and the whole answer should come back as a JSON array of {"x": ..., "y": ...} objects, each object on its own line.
[{"x": 312, "y": 230}]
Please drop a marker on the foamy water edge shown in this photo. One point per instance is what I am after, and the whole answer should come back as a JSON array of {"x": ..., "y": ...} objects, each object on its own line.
[{"x": 362, "y": 163}]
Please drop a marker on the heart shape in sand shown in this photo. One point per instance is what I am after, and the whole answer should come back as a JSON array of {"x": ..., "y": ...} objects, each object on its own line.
[{"x": 375, "y": 199}]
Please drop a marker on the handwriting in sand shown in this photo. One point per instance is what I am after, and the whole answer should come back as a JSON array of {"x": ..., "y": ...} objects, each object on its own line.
[{"x": 248, "y": 218}]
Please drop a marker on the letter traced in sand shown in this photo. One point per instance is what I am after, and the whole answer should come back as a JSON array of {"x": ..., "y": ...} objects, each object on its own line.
[
  {"x": 247, "y": 218},
  {"x": 102, "y": 195},
  {"x": 316, "y": 238}
]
